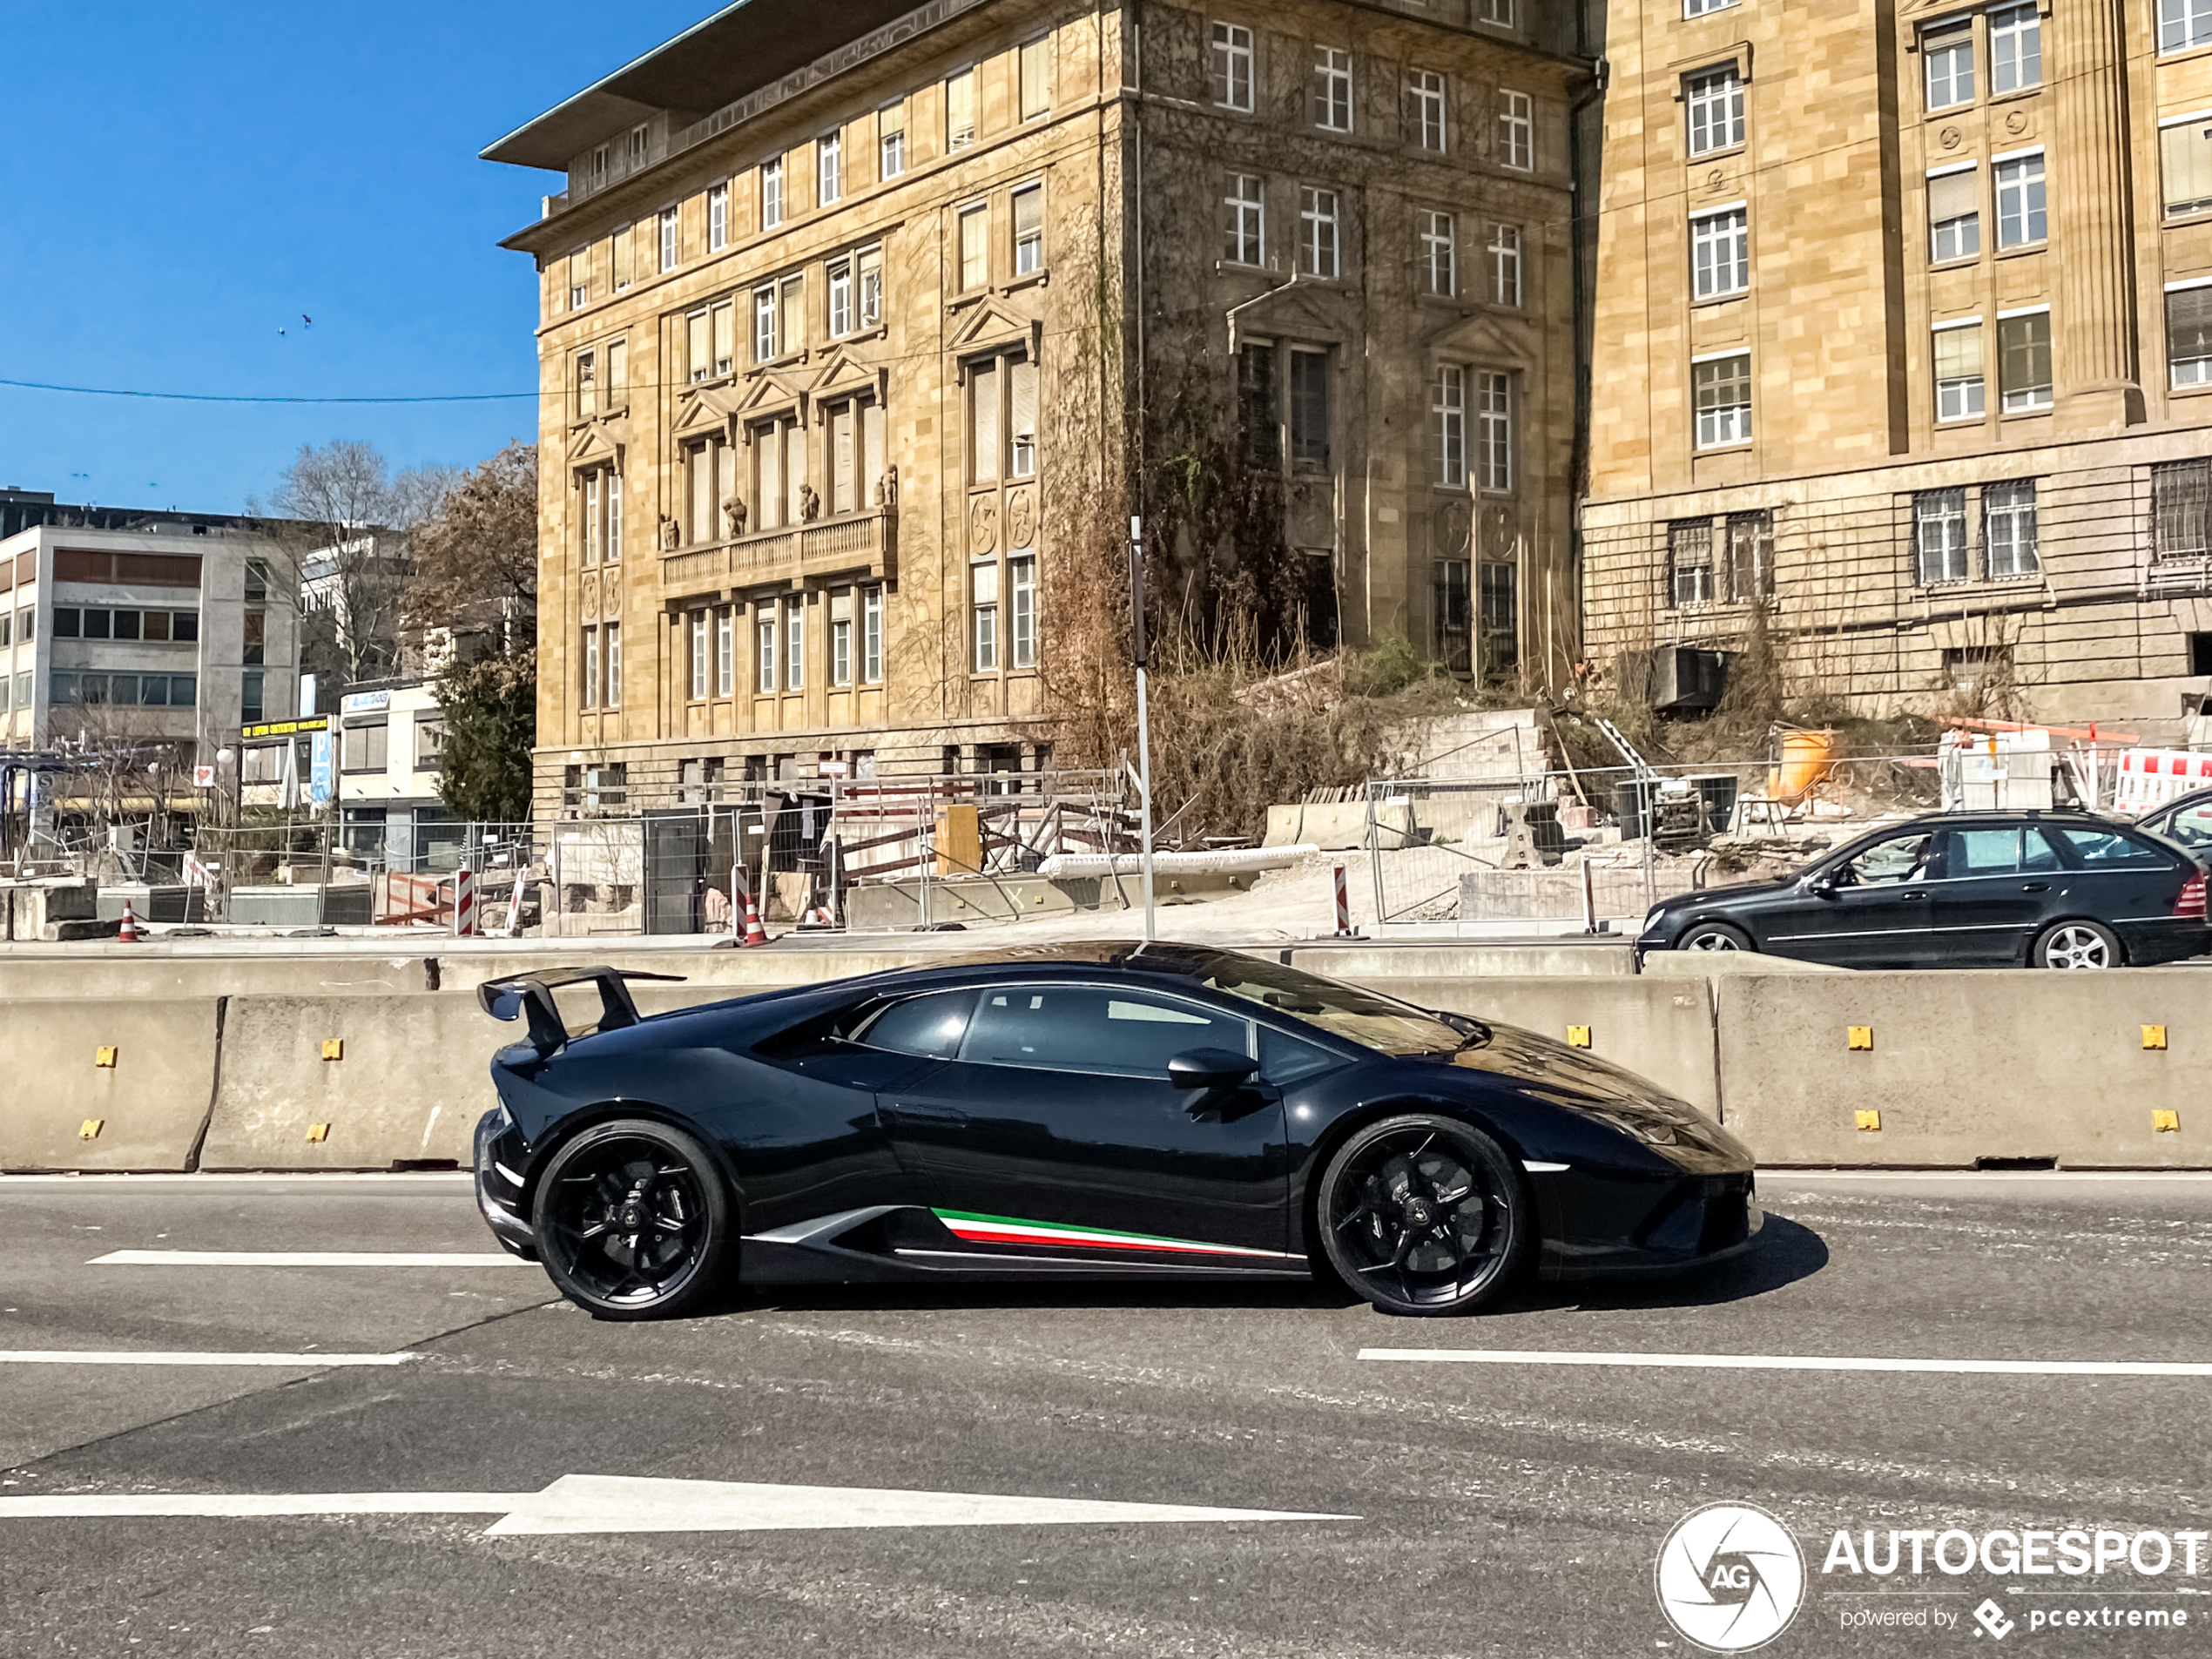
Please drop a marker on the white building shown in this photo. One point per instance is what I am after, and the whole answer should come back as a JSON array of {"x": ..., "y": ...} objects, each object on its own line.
[{"x": 387, "y": 742}]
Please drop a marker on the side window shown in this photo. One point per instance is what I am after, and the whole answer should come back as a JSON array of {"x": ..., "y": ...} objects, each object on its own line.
[
  {"x": 1982, "y": 851},
  {"x": 1087, "y": 1027},
  {"x": 1287, "y": 1060},
  {"x": 930, "y": 1026},
  {"x": 1901, "y": 858},
  {"x": 2109, "y": 850},
  {"x": 2191, "y": 826}
]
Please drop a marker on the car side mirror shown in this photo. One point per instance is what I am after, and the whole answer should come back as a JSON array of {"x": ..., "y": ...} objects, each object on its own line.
[
  {"x": 1210, "y": 1068},
  {"x": 1821, "y": 887}
]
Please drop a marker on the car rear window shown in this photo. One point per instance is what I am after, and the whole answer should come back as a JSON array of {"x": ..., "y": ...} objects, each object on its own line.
[
  {"x": 2103, "y": 849},
  {"x": 930, "y": 1026},
  {"x": 1998, "y": 851}
]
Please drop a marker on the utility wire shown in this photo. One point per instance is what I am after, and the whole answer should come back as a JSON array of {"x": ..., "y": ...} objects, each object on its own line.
[{"x": 213, "y": 397}]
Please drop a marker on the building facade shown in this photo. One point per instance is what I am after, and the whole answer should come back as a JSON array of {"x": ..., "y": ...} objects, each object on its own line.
[
  {"x": 851, "y": 315},
  {"x": 1904, "y": 344}
]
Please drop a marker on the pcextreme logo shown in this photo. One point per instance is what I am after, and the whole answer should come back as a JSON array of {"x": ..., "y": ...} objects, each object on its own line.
[{"x": 1730, "y": 1577}]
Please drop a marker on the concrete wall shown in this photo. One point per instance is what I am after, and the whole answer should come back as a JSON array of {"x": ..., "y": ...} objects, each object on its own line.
[{"x": 142, "y": 1071}]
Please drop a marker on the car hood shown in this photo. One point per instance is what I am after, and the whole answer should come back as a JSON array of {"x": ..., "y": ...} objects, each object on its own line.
[{"x": 1738, "y": 890}]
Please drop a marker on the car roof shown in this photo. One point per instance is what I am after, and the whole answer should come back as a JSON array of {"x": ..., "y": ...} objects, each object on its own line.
[{"x": 1187, "y": 962}]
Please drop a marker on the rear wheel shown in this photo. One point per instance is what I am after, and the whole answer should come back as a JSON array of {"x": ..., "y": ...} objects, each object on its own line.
[
  {"x": 1424, "y": 1215},
  {"x": 2077, "y": 944},
  {"x": 1714, "y": 935},
  {"x": 633, "y": 1221}
]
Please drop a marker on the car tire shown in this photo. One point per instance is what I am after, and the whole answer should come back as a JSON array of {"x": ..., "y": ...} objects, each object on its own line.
[
  {"x": 1714, "y": 935},
  {"x": 634, "y": 1221},
  {"x": 1426, "y": 1215},
  {"x": 2076, "y": 945}
]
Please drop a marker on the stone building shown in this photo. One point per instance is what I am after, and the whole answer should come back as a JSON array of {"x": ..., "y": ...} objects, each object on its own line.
[
  {"x": 1904, "y": 341},
  {"x": 852, "y": 315}
]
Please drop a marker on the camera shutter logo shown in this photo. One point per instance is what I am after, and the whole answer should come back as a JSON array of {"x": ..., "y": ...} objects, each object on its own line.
[{"x": 1730, "y": 1577}]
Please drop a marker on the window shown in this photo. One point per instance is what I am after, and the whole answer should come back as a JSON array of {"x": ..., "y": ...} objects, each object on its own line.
[
  {"x": 626, "y": 246},
  {"x": 1716, "y": 100},
  {"x": 587, "y": 385},
  {"x": 1258, "y": 417},
  {"x": 1021, "y": 418},
  {"x": 840, "y": 298},
  {"x": 1954, "y": 214},
  {"x": 1959, "y": 372},
  {"x": 870, "y": 260},
  {"x": 1949, "y": 54},
  {"x": 960, "y": 111},
  {"x": 1516, "y": 131},
  {"x": 772, "y": 193},
  {"x": 1332, "y": 90},
  {"x": 1940, "y": 535},
  {"x": 1499, "y": 611},
  {"x": 590, "y": 698},
  {"x": 1318, "y": 233},
  {"x": 641, "y": 141},
  {"x": 2109, "y": 848},
  {"x": 983, "y": 607},
  {"x": 2015, "y": 48},
  {"x": 1082, "y": 1028},
  {"x": 250, "y": 706},
  {"x": 726, "y": 650},
  {"x": 1505, "y": 265},
  {"x": 1499, "y": 13},
  {"x": 1035, "y": 70},
  {"x": 1439, "y": 254},
  {"x": 698, "y": 623},
  {"x": 365, "y": 745},
  {"x": 257, "y": 623},
  {"x": 598, "y": 172},
  {"x": 1022, "y": 580},
  {"x": 1720, "y": 398},
  {"x": 2188, "y": 336},
  {"x": 1310, "y": 411},
  {"x": 257, "y": 581},
  {"x": 1720, "y": 253},
  {"x": 1028, "y": 231},
  {"x": 891, "y": 139},
  {"x": 1454, "y": 608},
  {"x": 2024, "y": 361},
  {"x": 1493, "y": 416},
  {"x": 1699, "y": 8},
  {"x": 1425, "y": 109},
  {"x": 765, "y": 647},
  {"x": 2185, "y": 151},
  {"x": 579, "y": 278},
  {"x": 1750, "y": 556},
  {"x": 1447, "y": 425},
  {"x": 1244, "y": 210},
  {"x": 872, "y": 635},
  {"x": 763, "y": 325},
  {"x": 2020, "y": 200},
  {"x": 2008, "y": 528},
  {"x": 2178, "y": 490},
  {"x": 1233, "y": 67},
  {"x": 795, "y": 644},
  {"x": 698, "y": 346},
  {"x": 593, "y": 517},
  {"x": 985, "y": 407},
  {"x": 829, "y": 169},
  {"x": 614, "y": 665},
  {"x": 2197, "y": 820},
  {"x": 717, "y": 218},
  {"x": 668, "y": 238},
  {"x": 2183, "y": 23},
  {"x": 974, "y": 248}
]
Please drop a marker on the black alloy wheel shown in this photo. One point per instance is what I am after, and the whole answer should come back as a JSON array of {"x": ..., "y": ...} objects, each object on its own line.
[
  {"x": 633, "y": 1221},
  {"x": 1424, "y": 1215}
]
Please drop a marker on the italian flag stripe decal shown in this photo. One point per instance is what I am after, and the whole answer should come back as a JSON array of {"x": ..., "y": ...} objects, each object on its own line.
[{"x": 1006, "y": 1230}]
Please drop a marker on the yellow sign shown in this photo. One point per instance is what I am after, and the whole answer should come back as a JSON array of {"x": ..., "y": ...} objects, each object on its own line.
[
  {"x": 1870, "y": 1122},
  {"x": 1578, "y": 1036},
  {"x": 2165, "y": 1122},
  {"x": 318, "y": 1133},
  {"x": 1858, "y": 1036},
  {"x": 2154, "y": 1037},
  {"x": 103, "y": 1058},
  {"x": 286, "y": 728},
  {"x": 90, "y": 1131}
]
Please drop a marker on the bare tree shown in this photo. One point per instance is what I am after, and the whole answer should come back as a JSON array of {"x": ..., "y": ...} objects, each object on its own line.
[{"x": 474, "y": 557}]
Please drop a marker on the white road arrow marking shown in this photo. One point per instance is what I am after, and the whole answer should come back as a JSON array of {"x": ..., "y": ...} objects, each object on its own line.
[
  {"x": 308, "y": 1259},
  {"x": 596, "y": 1503}
]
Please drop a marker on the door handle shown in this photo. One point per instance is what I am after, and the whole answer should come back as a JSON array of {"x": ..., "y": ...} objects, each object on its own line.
[
  {"x": 941, "y": 1117},
  {"x": 1912, "y": 896},
  {"x": 2035, "y": 887}
]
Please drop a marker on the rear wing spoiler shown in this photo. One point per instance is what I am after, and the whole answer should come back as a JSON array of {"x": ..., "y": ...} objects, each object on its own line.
[{"x": 530, "y": 995}]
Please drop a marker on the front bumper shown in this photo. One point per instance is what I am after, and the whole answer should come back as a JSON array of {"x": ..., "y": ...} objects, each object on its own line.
[
  {"x": 499, "y": 1185},
  {"x": 1605, "y": 1226}
]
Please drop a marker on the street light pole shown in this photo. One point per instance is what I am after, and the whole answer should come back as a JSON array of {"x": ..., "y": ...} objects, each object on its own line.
[{"x": 1140, "y": 650}]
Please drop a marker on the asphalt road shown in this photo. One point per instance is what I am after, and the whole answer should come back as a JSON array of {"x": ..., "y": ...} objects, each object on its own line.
[{"x": 1501, "y": 1508}]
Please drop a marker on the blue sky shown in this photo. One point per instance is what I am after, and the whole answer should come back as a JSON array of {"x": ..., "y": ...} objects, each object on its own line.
[{"x": 182, "y": 181}]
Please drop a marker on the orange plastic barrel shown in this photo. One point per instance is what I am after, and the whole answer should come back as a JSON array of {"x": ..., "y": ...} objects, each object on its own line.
[{"x": 1807, "y": 757}]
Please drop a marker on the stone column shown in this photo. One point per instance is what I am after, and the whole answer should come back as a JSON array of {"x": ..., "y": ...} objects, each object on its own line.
[{"x": 2096, "y": 363}]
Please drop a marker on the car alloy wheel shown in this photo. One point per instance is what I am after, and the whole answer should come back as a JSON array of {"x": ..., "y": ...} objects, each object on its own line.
[
  {"x": 633, "y": 1221},
  {"x": 1713, "y": 935},
  {"x": 2077, "y": 944},
  {"x": 1424, "y": 1215}
]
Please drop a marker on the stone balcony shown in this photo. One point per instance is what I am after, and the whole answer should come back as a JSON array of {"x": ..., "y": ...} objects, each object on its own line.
[{"x": 859, "y": 547}]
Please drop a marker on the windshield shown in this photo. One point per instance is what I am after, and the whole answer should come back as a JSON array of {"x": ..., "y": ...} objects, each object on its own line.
[{"x": 1361, "y": 1016}]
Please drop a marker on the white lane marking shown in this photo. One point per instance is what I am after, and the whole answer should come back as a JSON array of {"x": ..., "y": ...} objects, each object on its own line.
[
  {"x": 1795, "y": 1362},
  {"x": 308, "y": 1259},
  {"x": 590, "y": 1503},
  {"x": 317, "y": 1177},
  {"x": 1783, "y": 1177},
  {"x": 137, "y": 1357}
]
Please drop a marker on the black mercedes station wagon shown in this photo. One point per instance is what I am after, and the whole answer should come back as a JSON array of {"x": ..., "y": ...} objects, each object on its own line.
[{"x": 1963, "y": 890}]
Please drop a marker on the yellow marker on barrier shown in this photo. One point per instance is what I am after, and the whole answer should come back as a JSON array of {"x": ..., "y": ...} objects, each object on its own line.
[
  {"x": 90, "y": 1131},
  {"x": 1858, "y": 1036},
  {"x": 2154, "y": 1037},
  {"x": 318, "y": 1133},
  {"x": 1870, "y": 1123},
  {"x": 1578, "y": 1036},
  {"x": 2164, "y": 1122},
  {"x": 104, "y": 1057},
  {"x": 333, "y": 1047}
]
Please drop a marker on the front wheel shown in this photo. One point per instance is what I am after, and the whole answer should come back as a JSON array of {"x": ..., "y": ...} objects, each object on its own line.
[
  {"x": 1424, "y": 1215},
  {"x": 1714, "y": 935},
  {"x": 2078, "y": 944},
  {"x": 633, "y": 1221}
]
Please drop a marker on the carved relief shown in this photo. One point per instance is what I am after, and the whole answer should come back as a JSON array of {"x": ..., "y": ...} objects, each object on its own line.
[
  {"x": 1021, "y": 519},
  {"x": 734, "y": 513},
  {"x": 982, "y": 526},
  {"x": 1451, "y": 525},
  {"x": 887, "y": 488},
  {"x": 1497, "y": 526},
  {"x": 672, "y": 533},
  {"x": 589, "y": 598},
  {"x": 1950, "y": 138},
  {"x": 810, "y": 504}
]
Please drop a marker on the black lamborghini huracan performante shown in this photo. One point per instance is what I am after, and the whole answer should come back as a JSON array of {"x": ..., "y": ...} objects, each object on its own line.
[{"x": 1081, "y": 1111}]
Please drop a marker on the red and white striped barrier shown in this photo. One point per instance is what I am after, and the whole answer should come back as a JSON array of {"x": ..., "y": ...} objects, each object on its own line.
[
  {"x": 1344, "y": 907},
  {"x": 515, "y": 910},
  {"x": 2149, "y": 778},
  {"x": 464, "y": 905}
]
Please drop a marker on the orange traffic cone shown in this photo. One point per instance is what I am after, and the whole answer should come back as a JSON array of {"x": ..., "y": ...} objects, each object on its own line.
[
  {"x": 755, "y": 935},
  {"x": 128, "y": 934}
]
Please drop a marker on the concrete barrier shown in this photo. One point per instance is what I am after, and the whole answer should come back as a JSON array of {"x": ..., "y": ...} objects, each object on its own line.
[
  {"x": 137, "y": 1074},
  {"x": 1542, "y": 958},
  {"x": 122, "y": 973},
  {"x": 1711, "y": 964},
  {"x": 1963, "y": 1066},
  {"x": 1659, "y": 1030}
]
